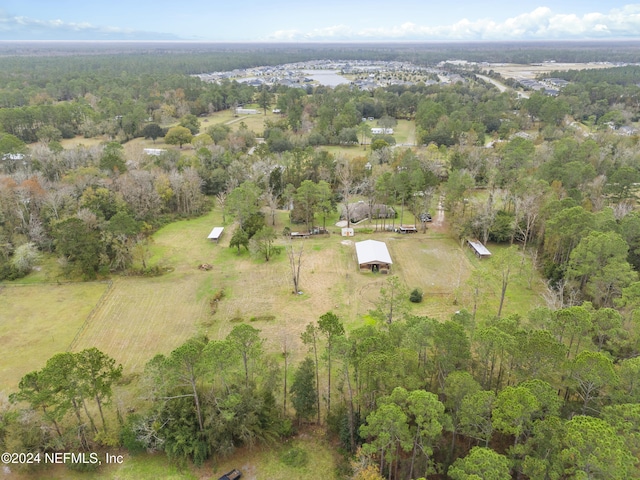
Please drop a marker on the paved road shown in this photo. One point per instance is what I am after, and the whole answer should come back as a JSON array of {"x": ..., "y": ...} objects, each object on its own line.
[{"x": 501, "y": 86}]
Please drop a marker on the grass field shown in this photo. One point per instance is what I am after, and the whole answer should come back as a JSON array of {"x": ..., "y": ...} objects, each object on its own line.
[
  {"x": 38, "y": 321},
  {"x": 141, "y": 316}
]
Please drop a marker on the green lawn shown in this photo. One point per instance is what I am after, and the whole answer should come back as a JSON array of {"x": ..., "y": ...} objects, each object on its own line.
[{"x": 38, "y": 321}]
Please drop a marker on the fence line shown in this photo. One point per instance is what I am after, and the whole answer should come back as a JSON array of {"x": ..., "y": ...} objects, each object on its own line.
[{"x": 91, "y": 314}]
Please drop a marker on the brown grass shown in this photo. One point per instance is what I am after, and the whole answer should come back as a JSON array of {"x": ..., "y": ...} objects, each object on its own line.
[
  {"x": 140, "y": 317},
  {"x": 38, "y": 321}
]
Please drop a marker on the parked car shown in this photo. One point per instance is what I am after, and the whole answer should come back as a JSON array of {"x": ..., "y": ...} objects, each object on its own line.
[
  {"x": 232, "y": 475},
  {"x": 425, "y": 217}
]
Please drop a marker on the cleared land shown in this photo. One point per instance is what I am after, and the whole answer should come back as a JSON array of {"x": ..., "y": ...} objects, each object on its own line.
[
  {"x": 512, "y": 70},
  {"x": 140, "y": 317},
  {"x": 38, "y": 321}
]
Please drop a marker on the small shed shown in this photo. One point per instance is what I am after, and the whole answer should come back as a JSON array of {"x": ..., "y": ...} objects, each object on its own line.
[
  {"x": 373, "y": 255},
  {"x": 215, "y": 234},
  {"x": 479, "y": 249},
  {"x": 348, "y": 232}
]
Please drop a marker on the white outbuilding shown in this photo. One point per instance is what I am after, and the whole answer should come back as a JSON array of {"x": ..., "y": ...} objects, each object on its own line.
[
  {"x": 215, "y": 234},
  {"x": 373, "y": 255}
]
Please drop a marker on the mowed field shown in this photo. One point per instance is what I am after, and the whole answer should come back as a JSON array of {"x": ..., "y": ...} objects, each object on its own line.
[
  {"x": 143, "y": 316},
  {"x": 38, "y": 321},
  {"x": 139, "y": 317}
]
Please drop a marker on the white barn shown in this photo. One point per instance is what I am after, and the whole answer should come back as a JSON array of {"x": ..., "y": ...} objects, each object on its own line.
[{"x": 373, "y": 255}]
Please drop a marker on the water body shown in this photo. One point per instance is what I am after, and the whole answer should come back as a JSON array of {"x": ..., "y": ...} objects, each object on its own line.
[{"x": 328, "y": 78}]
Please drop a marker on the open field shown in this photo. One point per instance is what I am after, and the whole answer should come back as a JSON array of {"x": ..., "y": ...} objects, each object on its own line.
[
  {"x": 38, "y": 321},
  {"x": 140, "y": 317},
  {"x": 512, "y": 70}
]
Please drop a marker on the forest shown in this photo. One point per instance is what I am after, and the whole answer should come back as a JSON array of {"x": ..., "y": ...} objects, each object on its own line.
[{"x": 546, "y": 393}]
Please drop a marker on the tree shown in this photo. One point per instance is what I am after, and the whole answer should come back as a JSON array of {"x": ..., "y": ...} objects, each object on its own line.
[
  {"x": 243, "y": 202},
  {"x": 457, "y": 386},
  {"x": 539, "y": 354},
  {"x": 79, "y": 244},
  {"x": 451, "y": 350},
  {"x": 476, "y": 413},
  {"x": 304, "y": 395},
  {"x": 493, "y": 344},
  {"x": 152, "y": 131},
  {"x": 263, "y": 242},
  {"x": 264, "y": 98},
  {"x": 178, "y": 136},
  {"x": 330, "y": 326},
  {"x": 112, "y": 158},
  {"x": 248, "y": 343},
  {"x": 184, "y": 367},
  {"x": 480, "y": 463},
  {"x": 306, "y": 199},
  {"x": 513, "y": 411},
  {"x": 427, "y": 419},
  {"x": 98, "y": 373},
  {"x": 391, "y": 301},
  {"x": 599, "y": 265},
  {"x": 386, "y": 431},
  {"x": 625, "y": 419},
  {"x": 310, "y": 338},
  {"x": 622, "y": 182},
  {"x": 607, "y": 325},
  {"x": 455, "y": 190},
  {"x": 25, "y": 257},
  {"x": 35, "y": 388},
  {"x": 10, "y": 144},
  {"x": 239, "y": 239},
  {"x": 593, "y": 449},
  {"x": 191, "y": 123},
  {"x": 506, "y": 261},
  {"x": 629, "y": 389},
  {"x": 295, "y": 264},
  {"x": 592, "y": 372}
]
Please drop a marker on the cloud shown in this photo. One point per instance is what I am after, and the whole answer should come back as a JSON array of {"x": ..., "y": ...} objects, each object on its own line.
[
  {"x": 25, "y": 28},
  {"x": 539, "y": 24}
]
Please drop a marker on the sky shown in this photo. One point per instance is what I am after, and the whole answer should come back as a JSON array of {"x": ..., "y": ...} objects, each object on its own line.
[{"x": 319, "y": 20}]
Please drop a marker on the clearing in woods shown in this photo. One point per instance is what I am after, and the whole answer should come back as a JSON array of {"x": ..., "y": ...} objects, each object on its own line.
[{"x": 140, "y": 317}]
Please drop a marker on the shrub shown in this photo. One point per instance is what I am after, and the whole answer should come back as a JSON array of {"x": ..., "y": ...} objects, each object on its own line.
[{"x": 415, "y": 296}]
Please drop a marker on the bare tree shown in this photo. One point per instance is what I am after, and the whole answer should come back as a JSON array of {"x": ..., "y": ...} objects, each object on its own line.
[
  {"x": 295, "y": 264},
  {"x": 344, "y": 174},
  {"x": 271, "y": 199}
]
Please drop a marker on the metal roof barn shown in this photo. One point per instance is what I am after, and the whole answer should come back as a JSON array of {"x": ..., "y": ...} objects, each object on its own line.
[{"x": 373, "y": 255}]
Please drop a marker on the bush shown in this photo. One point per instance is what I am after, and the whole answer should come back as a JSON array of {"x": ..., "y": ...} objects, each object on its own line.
[
  {"x": 9, "y": 272},
  {"x": 129, "y": 437},
  {"x": 295, "y": 457},
  {"x": 415, "y": 296}
]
